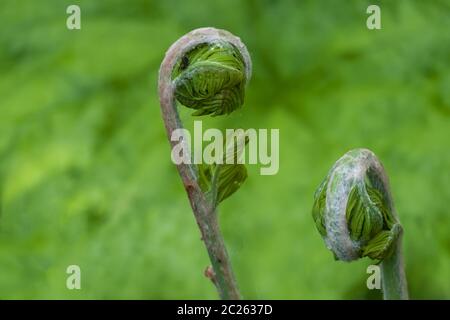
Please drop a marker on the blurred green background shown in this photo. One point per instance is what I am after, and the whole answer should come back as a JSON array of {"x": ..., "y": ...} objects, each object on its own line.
[{"x": 85, "y": 170}]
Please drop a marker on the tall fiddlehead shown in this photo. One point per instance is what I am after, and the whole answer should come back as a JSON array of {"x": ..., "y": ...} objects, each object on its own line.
[
  {"x": 354, "y": 213},
  {"x": 207, "y": 70}
]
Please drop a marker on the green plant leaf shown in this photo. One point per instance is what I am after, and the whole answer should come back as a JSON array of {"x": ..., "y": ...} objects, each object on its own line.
[
  {"x": 318, "y": 210},
  {"x": 210, "y": 78},
  {"x": 221, "y": 180}
]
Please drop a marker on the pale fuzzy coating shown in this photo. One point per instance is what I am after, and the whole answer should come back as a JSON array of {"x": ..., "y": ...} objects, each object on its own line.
[{"x": 348, "y": 171}]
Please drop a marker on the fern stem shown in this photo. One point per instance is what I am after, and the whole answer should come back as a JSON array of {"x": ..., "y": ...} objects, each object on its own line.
[{"x": 393, "y": 275}]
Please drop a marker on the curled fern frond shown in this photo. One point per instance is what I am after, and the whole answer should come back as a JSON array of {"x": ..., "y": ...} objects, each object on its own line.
[
  {"x": 210, "y": 78},
  {"x": 207, "y": 70},
  {"x": 353, "y": 209}
]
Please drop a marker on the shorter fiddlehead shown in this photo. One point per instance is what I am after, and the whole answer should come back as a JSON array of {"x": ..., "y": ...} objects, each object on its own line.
[{"x": 354, "y": 212}]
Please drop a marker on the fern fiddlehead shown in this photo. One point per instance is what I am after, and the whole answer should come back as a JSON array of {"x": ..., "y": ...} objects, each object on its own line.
[
  {"x": 354, "y": 213},
  {"x": 207, "y": 70},
  {"x": 210, "y": 78}
]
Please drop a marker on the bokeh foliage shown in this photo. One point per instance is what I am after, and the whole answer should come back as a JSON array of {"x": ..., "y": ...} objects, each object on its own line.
[{"x": 85, "y": 170}]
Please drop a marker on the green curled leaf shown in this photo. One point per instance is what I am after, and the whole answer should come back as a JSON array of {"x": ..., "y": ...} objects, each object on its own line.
[
  {"x": 221, "y": 180},
  {"x": 353, "y": 210},
  {"x": 231, "y": 177},
  {"x": 319, "y": 208},
  {"x": 363, "y": 216},
  {"x": 210, "y": 78},
  {"x": 381, "y": 246}
]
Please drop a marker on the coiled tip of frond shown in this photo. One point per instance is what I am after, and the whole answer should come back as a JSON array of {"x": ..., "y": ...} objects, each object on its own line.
[
  {"x": 353, "y": 208},
  {"x": 209, "y": 69}
]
